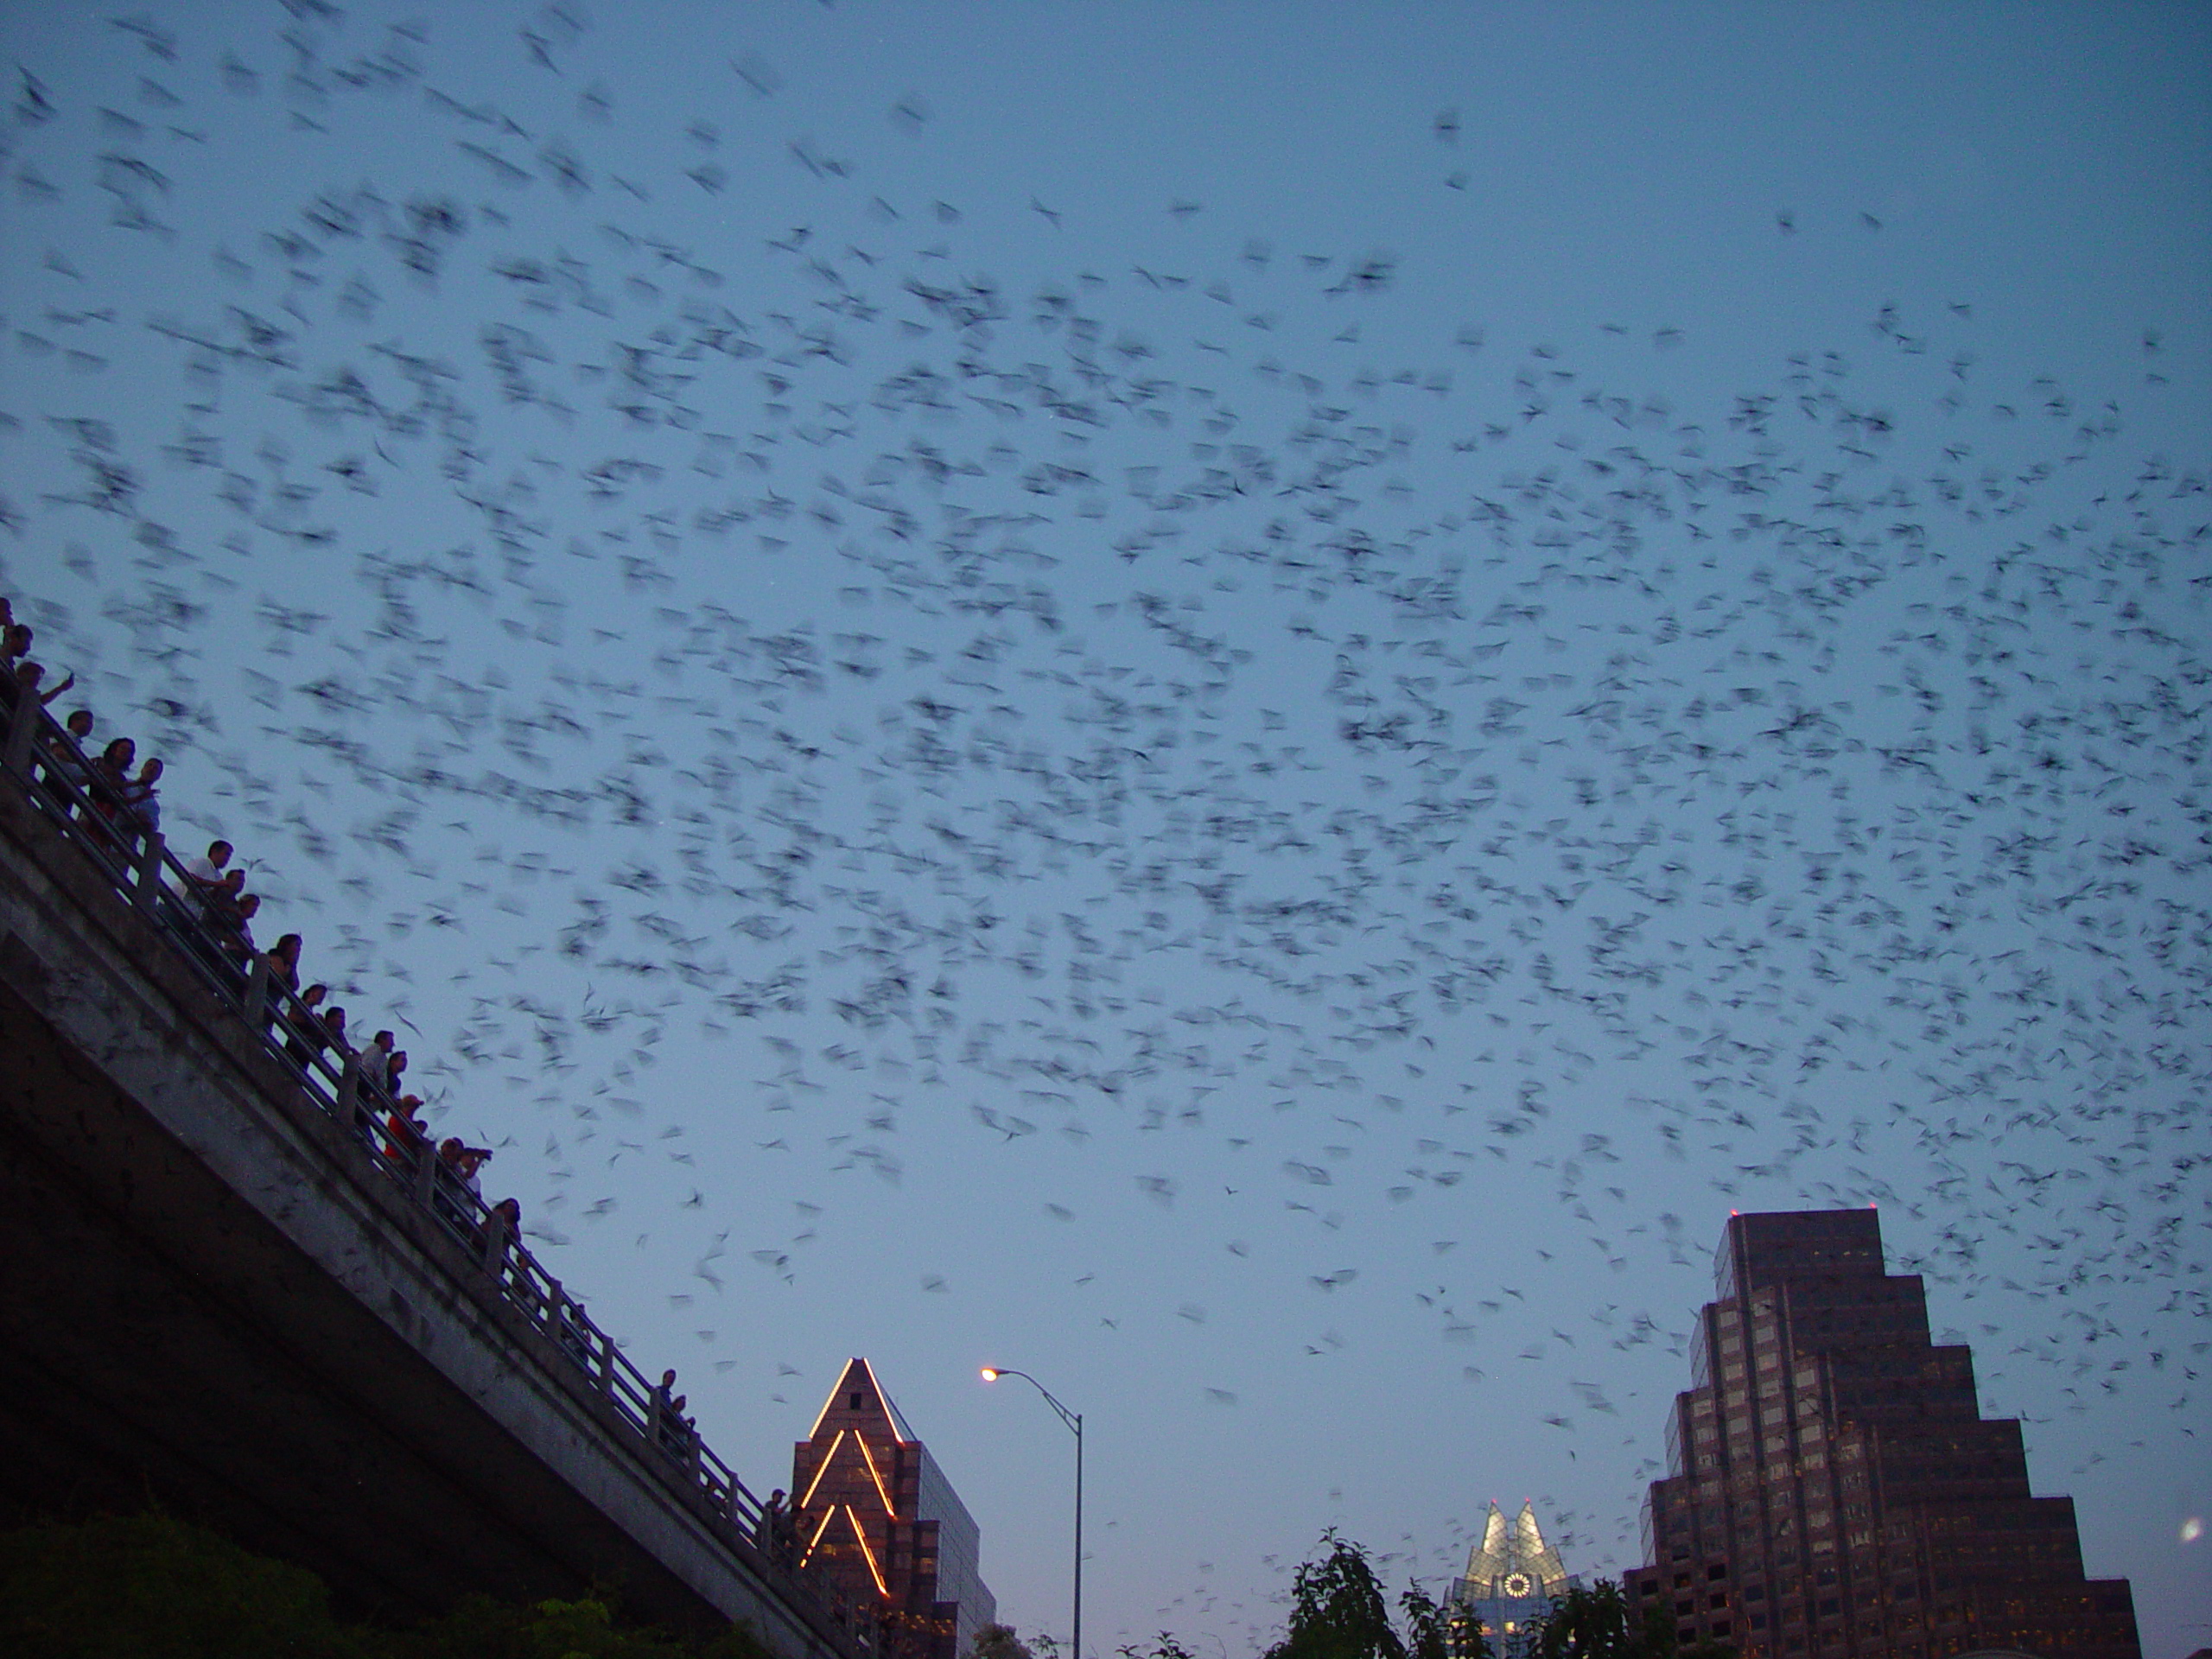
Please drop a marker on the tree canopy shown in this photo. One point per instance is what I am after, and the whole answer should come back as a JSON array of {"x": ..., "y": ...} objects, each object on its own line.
[
  {"x": 1430, "y": 1632},
  {"x": 136, "y": 1587},
  {"x": 1338, "y": 1611},
  {"x": 1338, "y": 1608},
  {"x": 1000, "y": 1642}
]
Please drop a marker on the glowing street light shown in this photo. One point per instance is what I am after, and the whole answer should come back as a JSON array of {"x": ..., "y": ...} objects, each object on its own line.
[{"x": 1074, "y": 1421}]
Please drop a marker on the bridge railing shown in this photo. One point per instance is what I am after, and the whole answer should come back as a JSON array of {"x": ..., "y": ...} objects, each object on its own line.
[{"x": 42, "y": 759}]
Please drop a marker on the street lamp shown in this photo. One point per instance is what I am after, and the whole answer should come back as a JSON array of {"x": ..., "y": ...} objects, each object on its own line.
[{"x": 1074, "y": 1421}]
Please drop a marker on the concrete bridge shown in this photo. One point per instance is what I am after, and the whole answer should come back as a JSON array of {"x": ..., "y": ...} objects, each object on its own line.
[{"x": 217, "y": 1293}]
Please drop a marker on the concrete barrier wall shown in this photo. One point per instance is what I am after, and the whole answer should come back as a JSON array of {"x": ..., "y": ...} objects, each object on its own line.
[{"x": 213, "y": 1299}]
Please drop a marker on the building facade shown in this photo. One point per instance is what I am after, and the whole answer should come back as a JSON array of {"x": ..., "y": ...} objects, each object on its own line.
[
  {"x": 1835, "y": 1493},
  {"x": 1513, "y": 1578},
  {"x": 871, "y": 1506}
]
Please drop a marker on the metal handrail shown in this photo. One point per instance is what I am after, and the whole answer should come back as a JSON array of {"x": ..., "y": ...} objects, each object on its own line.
[{"x": 43, "y": 760}]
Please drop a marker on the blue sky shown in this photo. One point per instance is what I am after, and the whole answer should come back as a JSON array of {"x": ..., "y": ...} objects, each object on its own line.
[{"x": 1242, "y": 705}]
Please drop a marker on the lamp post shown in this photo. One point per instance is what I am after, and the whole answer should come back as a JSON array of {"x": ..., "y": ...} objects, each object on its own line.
[{"x": 1074, "y": 1421}]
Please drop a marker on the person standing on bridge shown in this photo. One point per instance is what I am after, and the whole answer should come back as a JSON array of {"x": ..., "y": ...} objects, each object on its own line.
[
  {"x": 465, "y": 1161},
  {"x": 207, "y": 869},
  {"x": 572, "y": 1329},
  {"x": 283, "y": 961},
  {"x": 22, "y": 678},
  {"x": 408, "y": 1137},
  {"x": 218, "y": 910},
  {"x": 139, "y": 812},
  {"x": 776, "y": 1536},
  {"x": 497, "y": 1237},
  {"x": 238, "y": 943},
  {"x": 111, "y": 779},
  {"x": 64, "y": 766},
  {"x": 456, "y": 1174},
  {"x": 376, "y": 1058},
  {"x": 304, "y": 1022},
  {"x": 668, "y": 1406}
]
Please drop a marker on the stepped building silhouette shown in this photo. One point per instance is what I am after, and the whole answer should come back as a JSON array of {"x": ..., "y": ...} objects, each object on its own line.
[
  {"x": 1834, "y": 1491},
  {"x": 871, "y": 1508}
]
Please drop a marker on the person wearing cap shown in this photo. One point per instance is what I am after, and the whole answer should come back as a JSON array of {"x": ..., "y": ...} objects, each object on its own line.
[
  {"x": 464, "y": 1161},
  {"x": 473, "y": 1159}
]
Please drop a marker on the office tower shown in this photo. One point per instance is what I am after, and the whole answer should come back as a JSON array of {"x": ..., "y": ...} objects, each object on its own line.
[
  {"x": 1513, "y": 1578},
  {"x": 870, "y": 1504},
  {"x": 1834, "y": 1490}
]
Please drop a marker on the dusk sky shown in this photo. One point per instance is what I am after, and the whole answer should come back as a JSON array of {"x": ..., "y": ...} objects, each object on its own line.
[{"x": 1244, "y": 705}]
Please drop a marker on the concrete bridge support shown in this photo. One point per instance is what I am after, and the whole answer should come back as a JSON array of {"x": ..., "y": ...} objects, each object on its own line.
[{"x": 211, "y": 1299}]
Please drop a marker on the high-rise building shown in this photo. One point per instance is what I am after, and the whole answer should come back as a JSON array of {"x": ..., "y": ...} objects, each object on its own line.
[
  {"x": 1513, "y": 1578},
  {"x": 1834, "y": 1490},
  {"x": 870, "y": 1504}
]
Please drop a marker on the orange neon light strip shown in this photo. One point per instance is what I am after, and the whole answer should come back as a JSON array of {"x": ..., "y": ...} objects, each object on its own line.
[
  {"x": 827, "y": 1518},
  {"x": 888, "y": 1509},
  {"x": 822, "y": 1471},
  {"x": 882, "y": 1588},
  {"x": 829, "y": 1404}
]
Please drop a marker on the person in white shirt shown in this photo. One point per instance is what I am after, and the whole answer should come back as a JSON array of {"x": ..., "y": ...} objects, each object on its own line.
[
  {"x": 207, "y": 869},
  {"x": 376, "y": 1055}
]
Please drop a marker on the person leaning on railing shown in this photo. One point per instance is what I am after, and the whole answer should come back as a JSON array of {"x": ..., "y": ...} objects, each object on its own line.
[
  {"x": 139, "y": 810},
  {"x": 211, "y": 915},
  {"x": 374, "y": 1056},
  {"x": 62, "y": 766},
  {"x": 458, "y": 1164},
  {"x": 503, "y": 1221},
  {"x": 572, "y": 1330},
  {"x": 223, "y": 937},
  {"x": 675, "y": 1433},
  {"x": 780, "y": 1531},
  {"x": 406, "y": 1134},
  {"x": 283, "y": 961},
  {"x": 110, "y": 777},
  {"x": 16, "y": 674},
  {"x": 23, "y": 680},
  {"x": 218, "y": 898},
  {"x": 333, "y": 1033},
  {"x": 236, "y": 941},
  {"x": 206, "y": 870},
  {"x": 305, "y": 1037},
  {"x": 665, "y": 1401}
]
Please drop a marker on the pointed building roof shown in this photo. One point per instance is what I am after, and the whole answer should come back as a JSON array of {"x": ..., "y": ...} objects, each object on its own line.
[
  {"x": 857, "y": 1389},
  {"x": 1486, "y": 1561},
  {"x": 871, "y": 1508},
  {"x": 1515, "y": 1549}
]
